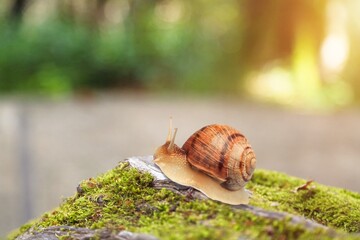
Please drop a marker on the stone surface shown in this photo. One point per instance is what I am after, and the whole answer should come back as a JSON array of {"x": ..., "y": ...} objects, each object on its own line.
[{"x": 74, "y": 233}]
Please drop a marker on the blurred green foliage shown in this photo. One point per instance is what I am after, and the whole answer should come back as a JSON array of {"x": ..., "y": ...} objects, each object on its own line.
[{"x": 59, "y": 55}]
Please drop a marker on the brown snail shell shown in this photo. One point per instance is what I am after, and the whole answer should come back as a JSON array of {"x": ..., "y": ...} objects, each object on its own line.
[
  {"x": 217, "y": 160},
  {"x": 223, "y": 153}
]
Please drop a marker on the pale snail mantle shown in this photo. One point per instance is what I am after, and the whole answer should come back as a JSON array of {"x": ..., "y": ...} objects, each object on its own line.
[{"x": 216, "y": 160}]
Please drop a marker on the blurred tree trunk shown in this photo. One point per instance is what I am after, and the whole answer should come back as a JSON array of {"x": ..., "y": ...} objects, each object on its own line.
[
  {"x": 66, "y": 11},
  {"x": 94, "y": 15},
  {"x": 100, "y": 10},
  {"x": 17, "y": 9},
  {"x": 90, "y": 13}
]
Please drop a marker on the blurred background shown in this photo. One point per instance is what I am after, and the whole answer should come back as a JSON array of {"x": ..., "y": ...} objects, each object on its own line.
[{"x": 87, "y": 83}]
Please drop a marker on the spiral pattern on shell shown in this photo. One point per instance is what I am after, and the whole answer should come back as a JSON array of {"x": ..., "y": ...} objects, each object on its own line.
[{"x": 223, "y": 153}]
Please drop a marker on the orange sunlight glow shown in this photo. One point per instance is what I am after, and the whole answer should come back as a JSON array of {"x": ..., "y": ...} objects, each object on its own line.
[
  {"x": 334, "y": 52},
  {"x": 273, "y": 84},
  {"x": 335, "y": 48}
]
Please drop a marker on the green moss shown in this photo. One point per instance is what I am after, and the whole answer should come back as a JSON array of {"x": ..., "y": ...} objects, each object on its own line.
[
  {"x": 123, "y": 198},
  {"x": 329, "y": 206}
]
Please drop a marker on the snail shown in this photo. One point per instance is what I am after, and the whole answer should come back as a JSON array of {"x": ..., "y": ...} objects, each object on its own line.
[{"x": 216, "y": 160}]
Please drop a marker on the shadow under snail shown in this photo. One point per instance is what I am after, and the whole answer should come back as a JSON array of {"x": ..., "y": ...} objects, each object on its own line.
[{"x": 216, "y": 160}]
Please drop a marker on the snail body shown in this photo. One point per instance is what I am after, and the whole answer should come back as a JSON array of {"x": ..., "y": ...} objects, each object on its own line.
[{"x": 216, "y": 160}]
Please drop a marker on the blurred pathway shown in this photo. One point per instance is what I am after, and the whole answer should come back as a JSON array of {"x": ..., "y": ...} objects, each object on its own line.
[{"x": 70, "y": 140}]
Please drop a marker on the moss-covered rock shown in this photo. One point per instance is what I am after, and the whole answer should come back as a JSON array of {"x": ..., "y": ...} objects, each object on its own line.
[
  {"x": 332, "y": 207},
  {"x": 124, "y": 199}
]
